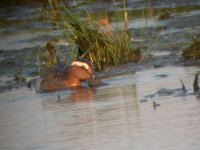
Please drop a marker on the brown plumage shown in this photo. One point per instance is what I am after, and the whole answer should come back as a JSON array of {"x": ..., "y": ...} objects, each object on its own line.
[{"x": 56, "y": 79}]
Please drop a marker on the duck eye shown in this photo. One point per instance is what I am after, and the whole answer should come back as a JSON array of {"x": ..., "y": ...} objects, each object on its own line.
[{"x": 88, "y": 69}]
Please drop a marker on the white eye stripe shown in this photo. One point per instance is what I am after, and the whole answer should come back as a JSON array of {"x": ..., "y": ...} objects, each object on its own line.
[{"x": 81, "y": 64}]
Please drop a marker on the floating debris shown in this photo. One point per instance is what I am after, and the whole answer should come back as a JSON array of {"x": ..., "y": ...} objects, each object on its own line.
[
  {"x": 161, "y": 75},
  {"x": 143, "y": 100},
  {"x": 195, "y": 83},
  {"x": 178, "y": 91},
  {"x": 183, "y": 86},
  {"x": 29, "y": 85},
  {"x": 58, "y": 97},
  {"x": 155, "y": 105},
  {"x": 163, "y": 92}
]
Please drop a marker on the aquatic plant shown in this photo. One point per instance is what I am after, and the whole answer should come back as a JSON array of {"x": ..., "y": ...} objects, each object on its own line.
[
  {"x": 102, "y": 44},
  {"x": 164, "y": 16},
  {"x": 193, "y": 51},
  {"x": 50, "y": 56},
  {"x": 43, "y": 57}
]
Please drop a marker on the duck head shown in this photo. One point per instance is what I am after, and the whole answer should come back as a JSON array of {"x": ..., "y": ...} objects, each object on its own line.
[{"x": 82, "y": 70}]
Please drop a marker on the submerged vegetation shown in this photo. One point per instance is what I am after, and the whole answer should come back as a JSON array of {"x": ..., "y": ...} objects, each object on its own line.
[
  {"x": 164, "y": 16},
  {"x": 193, "y": 51}
]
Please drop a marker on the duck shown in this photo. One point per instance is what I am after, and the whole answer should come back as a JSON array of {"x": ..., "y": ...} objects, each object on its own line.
[{"x": 58, "y": 78}]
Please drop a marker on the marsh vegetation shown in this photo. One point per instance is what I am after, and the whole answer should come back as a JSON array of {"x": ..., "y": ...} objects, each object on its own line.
[
  {"x": 95, "y": 37},
  {"x": 192, "y": 51}
]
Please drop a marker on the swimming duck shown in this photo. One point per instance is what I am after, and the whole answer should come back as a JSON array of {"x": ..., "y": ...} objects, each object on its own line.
[{"x": 68, "y": 77}]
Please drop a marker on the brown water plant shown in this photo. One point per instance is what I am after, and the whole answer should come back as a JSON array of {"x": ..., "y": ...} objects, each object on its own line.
[
  {"x": 50, "y": 56},
  {"x": 193, "y": 51}
]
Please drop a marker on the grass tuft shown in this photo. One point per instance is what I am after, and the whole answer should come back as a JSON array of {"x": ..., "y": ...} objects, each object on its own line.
[{"x": 98, "y": 41}]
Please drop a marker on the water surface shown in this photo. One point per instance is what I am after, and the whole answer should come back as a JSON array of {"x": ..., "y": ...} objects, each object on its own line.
[
  {"x": 107, "y": 117},
  {"x": 118, "y": 115}
]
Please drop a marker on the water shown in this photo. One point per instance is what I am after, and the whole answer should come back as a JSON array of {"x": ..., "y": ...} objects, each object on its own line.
[
  {"x": 118, "y": 115},
  {"x": 108, "y": 117}
]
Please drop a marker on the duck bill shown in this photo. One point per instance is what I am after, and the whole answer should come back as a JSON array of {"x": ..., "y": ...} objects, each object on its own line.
[{"x": 93, "y": 76}]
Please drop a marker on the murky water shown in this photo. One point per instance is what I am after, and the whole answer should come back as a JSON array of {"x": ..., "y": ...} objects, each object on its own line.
[
  {"x": 116, "y": 116},
  {"x": 108, "y": 117}
]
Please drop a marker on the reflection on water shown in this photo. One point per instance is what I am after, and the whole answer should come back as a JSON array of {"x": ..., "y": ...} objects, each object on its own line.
[{"x": 108, "y": 117}]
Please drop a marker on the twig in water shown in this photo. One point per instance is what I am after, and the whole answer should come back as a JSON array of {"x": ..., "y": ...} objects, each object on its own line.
[
  {"x": 183, "y": 86},
  {"x": 195, "y": 83}
]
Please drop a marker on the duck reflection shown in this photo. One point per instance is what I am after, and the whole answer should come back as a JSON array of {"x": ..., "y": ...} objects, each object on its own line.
[
  {"x": 82, "y": 94},
  {"x": 76, "y": 95}
]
